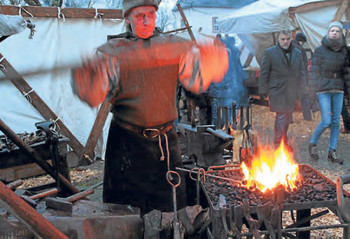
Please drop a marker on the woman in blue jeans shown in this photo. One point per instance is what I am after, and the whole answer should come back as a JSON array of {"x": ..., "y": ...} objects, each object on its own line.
[{"x": 327, "y": 77}]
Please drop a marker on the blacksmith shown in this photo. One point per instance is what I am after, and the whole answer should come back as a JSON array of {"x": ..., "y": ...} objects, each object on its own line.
[{"x": 138, "y": 75}]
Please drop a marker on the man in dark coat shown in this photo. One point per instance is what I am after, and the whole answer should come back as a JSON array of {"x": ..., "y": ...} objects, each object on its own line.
[{"x": 282, "y": 78}]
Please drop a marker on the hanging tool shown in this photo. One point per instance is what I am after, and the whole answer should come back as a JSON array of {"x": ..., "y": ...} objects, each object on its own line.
[{"x": 178, "y": 233}]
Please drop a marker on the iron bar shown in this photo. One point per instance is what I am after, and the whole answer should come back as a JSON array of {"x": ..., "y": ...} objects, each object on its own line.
[
  {"x": 299, "y": 229},
  {"x": 210, "y": 175}
]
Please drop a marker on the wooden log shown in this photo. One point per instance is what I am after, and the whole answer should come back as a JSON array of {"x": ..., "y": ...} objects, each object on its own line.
[
  {"x": 39, "y": 104},
  {"x": 36, "y": 223}
]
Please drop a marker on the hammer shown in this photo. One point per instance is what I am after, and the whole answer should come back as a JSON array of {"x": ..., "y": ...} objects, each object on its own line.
[
  {"x": 31, "y": 199},
  {"x": 66, "y": 204}
]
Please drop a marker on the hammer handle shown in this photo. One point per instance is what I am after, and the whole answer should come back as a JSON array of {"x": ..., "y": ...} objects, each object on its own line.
[
  {"x": 45, "y": 194},
  {"x": 77, "y": 196}
]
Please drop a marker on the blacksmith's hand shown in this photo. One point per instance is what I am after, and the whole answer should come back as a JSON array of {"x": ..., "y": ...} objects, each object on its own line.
[
  {"x": 214, "y": 61},
  {"x": 90, "y": 82}
]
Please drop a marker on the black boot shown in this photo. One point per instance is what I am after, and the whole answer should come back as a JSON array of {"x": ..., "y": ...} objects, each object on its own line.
[
  {"x": 333, "y": 157},
  {"x": 313, "y": 151}
]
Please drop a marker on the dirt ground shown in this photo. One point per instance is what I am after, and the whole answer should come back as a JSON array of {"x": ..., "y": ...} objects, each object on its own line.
[{"x": 299, "y": 133}]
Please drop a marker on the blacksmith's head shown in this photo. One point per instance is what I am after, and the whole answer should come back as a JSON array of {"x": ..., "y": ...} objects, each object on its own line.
[{"x": 140, "y": 15}]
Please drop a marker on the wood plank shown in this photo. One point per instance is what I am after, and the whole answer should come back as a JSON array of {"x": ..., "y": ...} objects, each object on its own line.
[
  {"x": 32, "y": 169},
  {"x": 313, "y": 6},
  {"x": 96, "y": 131},
  {"x": 341, "y": 10},
  {"x": 52, "y": 12},
  {"x": 39, "y": 104}
]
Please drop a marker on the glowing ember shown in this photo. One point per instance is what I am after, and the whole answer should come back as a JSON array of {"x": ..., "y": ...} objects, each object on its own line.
[{"x": 271, "y": 168}]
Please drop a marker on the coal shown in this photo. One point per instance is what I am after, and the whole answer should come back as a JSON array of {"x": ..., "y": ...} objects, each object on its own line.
[{"x": 311, "y": 187}]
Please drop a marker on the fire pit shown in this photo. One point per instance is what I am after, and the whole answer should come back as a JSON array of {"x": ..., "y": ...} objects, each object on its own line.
[
  {"x": 234, "y": 204},
  {"x": 256, "y": 193}
]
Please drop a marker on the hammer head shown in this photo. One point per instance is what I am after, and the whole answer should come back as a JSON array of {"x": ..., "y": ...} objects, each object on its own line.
[
  {"x": 59, "y": 204},
  {"x": 30, "y": 201}
]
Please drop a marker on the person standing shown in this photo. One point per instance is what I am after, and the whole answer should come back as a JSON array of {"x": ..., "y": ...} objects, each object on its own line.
[
  {"x": 327, "y": 78},
  {"x": 231, "y": 90},
  {"x": 137, "y": 72},
  {"x": 282, "y": 75},
  {"x": 298, "y": 42}
]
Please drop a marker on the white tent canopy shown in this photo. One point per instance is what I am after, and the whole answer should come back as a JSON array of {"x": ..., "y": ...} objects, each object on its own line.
[
  {"x": 255, "y": 22},
  {"x": 56, "y": 42}
]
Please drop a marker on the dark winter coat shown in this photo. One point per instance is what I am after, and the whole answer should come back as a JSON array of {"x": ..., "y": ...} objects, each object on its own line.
[
  {"x": 282, "y": 80},
  {"x": 303, "y": 52},
  {"x": 328, "y": 70},
  {"x": 232, "y": 85}
]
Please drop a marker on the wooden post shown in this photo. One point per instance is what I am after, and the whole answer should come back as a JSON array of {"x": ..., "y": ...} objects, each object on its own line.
[
  {"x": 96, "y": 131},
  {"x": 341, "y": 10},
  {"x": 39, "y": 104},
  {"x": 185, "y": 21},
  {"x": 36, "y": 223}
]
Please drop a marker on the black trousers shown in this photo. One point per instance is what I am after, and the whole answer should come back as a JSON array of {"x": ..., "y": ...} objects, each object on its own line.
[
  {"x": 282, "y": 122},
  {"x": 345, "y": 116},
  {"x": 134, "y": 173}
]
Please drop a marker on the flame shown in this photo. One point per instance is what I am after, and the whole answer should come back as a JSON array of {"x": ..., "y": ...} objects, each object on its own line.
[{"x": 271, "y": 168}]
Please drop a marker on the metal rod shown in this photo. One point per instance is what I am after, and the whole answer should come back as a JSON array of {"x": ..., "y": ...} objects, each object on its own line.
[
  {"x": 234, "y": 122},
  {"x": 307, "y": 219},
  {"x": 211, "y": 176},
  {"x": 241, "y": 122}
]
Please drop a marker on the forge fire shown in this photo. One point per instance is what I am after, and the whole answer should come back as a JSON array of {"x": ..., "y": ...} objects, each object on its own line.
[
  {"x": 267, "y": 173},
  {"x": 313, "y": 187},
  {"x": 269, "y": 169}
]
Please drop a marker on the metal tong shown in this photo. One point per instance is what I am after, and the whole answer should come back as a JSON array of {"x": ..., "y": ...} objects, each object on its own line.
[{"x": 176, "y": 223}]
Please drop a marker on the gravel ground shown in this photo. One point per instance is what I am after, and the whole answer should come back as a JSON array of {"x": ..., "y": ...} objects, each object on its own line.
[{"x": 299, "y": 133}]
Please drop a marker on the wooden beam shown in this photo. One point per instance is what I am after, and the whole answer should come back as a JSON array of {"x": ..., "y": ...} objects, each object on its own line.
[
  {"x": 96, "y": 132},
  {"x": 39, "y": 104},
  {"x": 248, "y": 60},
  {"x": 341, "y": 10},
  {"x": 52, "y": 12},
  {"x": 186, "y": 22},
  {"x": 37, "y": 223},
  {"x": 313, "y": 6}
]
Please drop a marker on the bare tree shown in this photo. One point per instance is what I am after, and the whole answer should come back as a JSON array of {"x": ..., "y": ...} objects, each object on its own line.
[
  {"x": 33, "y": 2},
  {"x": 163, "y": 19},
  {"x": 56, "y": 3},
  {"x": 15, "y": 2},
  {"x": 114, "y": 4}
]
